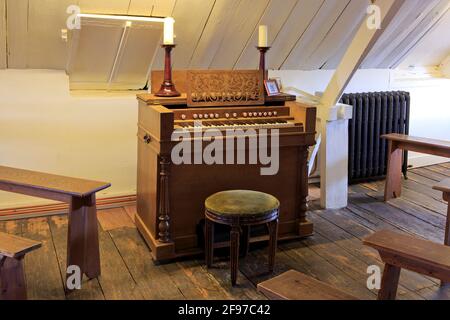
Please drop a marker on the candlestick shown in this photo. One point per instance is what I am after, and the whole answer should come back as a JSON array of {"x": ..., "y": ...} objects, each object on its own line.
[
  {"x": 168, "y": 87},
  {"x": 262, "y": 61},
  {"x": 263, "y": 36},
  {"x": 168, "y": 30}
]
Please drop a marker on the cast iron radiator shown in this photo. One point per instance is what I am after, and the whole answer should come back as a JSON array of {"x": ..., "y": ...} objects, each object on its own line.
[{"x": 374, "y": 114}]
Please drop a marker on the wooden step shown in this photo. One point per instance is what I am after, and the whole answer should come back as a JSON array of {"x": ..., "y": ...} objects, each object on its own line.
[
  {"x": 293, "y": 285},
  {"x": 13, "y": 246}
]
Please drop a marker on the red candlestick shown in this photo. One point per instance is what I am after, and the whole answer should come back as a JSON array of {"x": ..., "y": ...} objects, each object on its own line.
[
  {"x": 262, "y": 61},
  {"x": 168, "y": 87}
]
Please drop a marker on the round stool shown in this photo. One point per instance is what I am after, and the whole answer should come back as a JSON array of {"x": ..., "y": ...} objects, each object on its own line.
[{"x": 240, "y": 209}]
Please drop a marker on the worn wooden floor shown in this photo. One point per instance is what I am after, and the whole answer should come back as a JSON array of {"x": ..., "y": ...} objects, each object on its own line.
[{"x": 334, "y": 254}]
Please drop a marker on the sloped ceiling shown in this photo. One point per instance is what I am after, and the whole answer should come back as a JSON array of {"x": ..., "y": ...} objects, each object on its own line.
[{"x": 222, "y": 34}]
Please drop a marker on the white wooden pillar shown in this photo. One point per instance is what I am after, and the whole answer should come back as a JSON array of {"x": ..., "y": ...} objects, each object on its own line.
[
  {"x": 334, "y": 117},
  {"x": 334, "y": 157}
]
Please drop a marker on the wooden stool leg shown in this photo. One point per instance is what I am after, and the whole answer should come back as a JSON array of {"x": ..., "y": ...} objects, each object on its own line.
[
  {"x": 234, "y": 253},
  {"x": 393, "y": 188},
  {"x": 273, "y": 238},
  {"x": 245, "y": 241},
  {"x": 82, "y": 243},
  {"x": 12, "y": 279},
  {"x": 209, "y": 242},
  {"x": 389, "y": 282}
]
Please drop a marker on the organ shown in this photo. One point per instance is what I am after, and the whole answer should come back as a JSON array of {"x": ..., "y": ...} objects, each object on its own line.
[{"x": 170, "y": 197}]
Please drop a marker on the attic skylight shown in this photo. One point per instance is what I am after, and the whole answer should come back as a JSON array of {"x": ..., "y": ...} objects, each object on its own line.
[{"x": 113, "y": 52}]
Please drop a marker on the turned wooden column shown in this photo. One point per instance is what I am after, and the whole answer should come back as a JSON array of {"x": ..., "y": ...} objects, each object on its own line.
[
  {"x": 164, "y": 203},
  {"x": 306, "y": 228}
]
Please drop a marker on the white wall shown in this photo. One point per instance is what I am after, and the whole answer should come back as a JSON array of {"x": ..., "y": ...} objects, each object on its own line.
[
  {"x": 430, "y": 99},
  {"x": 43, "y": 127}
]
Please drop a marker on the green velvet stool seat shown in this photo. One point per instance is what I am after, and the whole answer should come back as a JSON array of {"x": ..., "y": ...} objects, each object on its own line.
[{"x": 240, "y": 209}]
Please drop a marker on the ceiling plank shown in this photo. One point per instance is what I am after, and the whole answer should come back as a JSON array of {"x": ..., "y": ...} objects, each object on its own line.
[
  {"x": 141, "y": 7},
  {"x": 163, "y": 8},
  {"x": 104, "y": 6},
  {"x": 364, "y": 40},
  {"x": 213, "y": 34},
  {"x": 17, "y": 26},
  {"x": 415, "y": 36},
  {"x": 45, "y": 48},
  {"x": 274, "y": 17},
  {"x": 3, "y": 60},
  {"x": 298, "y": 21},
  {"x": 238, "y": 34},
  {"x": 421, "y": 55},
  {"x": 340, "y": 34},
  {"x": 397, "y": 30},
  {"x": 315, "y": 34},
  {"x": 188, "y": 31}
]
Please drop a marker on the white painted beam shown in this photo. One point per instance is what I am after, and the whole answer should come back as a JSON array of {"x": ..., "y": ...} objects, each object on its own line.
[
  {"x": 363, "y": 42},
  {"x": 334, "y": 118}
]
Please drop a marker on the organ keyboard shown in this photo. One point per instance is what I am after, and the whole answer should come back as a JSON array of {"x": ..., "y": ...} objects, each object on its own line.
[{"x": 170, "y": 197}]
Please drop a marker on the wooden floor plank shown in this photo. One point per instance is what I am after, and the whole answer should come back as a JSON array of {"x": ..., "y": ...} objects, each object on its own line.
[
  {"x": 111, "y": 219},
  {"x": 445, "y": 165},
  {"x": 90, "y": 289},
  {"x": 193, "y": 282},
  {"x": 427, "y": 173},
  {"x": 346, "y": 233},
  {"x": 440, "y": 169},
  {"x": 352, "y": 266},
  {"x": 116, "y": 281},
  {"x": 318, "y": 267},
  {"x": 397, "y": 217},
  {"x": 153, "y": 281},
  {"x": 131, "y": 211},
  {"x": 41, "y": 266},
  {"x": 244, "y": 290}
]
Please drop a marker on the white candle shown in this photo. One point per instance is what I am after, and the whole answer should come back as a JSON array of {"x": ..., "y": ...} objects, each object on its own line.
[
  {"x": 168, "y": 30},
  {"x": 263, "y": 36}
]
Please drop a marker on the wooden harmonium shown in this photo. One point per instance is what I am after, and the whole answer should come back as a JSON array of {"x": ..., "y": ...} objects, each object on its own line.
[{"x": 170, "y": 195}]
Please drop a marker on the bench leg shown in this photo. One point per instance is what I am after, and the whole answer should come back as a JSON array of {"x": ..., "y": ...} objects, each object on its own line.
[
  {"x": 12, "y": 279},
  {"x": 273, "y": 238},
  {"x": 234, "y": 253},
  {"x": 209, "y": 242},
  {"x": 393, "y": 188},
  {"x": 82, "y": 243},
  {"x": 389, "y": 282}
]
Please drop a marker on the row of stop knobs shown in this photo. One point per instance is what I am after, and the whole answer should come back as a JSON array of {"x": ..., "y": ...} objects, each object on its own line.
[{"x": 232, "y": 115}]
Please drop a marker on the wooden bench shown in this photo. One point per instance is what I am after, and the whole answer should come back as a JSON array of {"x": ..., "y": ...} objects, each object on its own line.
[
  {"x": 399, "y": 251},
  {"x": 82, "y": 240},
  {"x": 293, "y": 285},
  {"x": 444, "y": 186},
  {"x": 12, "y": 277},
  {"x": 399, "y": 142}
]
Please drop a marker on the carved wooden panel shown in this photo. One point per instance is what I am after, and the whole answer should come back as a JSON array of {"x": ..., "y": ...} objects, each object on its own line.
[{"x": 224, "y": 88}]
